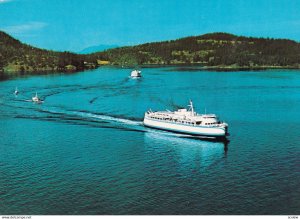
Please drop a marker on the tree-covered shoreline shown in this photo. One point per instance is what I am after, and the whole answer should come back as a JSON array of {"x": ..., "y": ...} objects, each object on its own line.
[
  {"x": 214, "y": 51},
  {"x": 17, "y": 57}
]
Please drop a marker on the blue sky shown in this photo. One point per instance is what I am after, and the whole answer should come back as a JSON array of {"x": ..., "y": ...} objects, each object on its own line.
[{"x": 76, "y": 24}]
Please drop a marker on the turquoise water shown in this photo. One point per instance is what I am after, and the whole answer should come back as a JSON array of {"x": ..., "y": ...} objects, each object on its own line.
[{"x": 85, "y": 151}]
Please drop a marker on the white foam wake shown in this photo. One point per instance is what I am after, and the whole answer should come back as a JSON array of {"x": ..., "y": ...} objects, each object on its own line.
[
  {"x": 55, "y": 110},
  {"x": 110, "y": 118}
]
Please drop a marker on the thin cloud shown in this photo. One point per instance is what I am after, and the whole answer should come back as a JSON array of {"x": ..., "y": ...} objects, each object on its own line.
[
  {"x": 4, "y": 1},
  {"x": 24, "y": 28}
]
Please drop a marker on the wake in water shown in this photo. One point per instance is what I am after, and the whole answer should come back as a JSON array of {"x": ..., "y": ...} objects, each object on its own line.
[
  {"x": 60, "y": 113},
  {"x": 91, "y": 119}
]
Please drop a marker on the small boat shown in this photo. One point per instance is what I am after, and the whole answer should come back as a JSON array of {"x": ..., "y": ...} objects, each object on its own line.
[
  {"x": 16, "y": 91},
  {"x": 36, "y": 99},
  {"x": 187, "y": 121},
  {"x": 136, "y": 74}
]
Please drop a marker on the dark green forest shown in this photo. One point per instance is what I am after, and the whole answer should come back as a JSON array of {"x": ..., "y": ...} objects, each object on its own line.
[
  {"x": 19, "y": 57},
  {"x": 215, "y": 50}
]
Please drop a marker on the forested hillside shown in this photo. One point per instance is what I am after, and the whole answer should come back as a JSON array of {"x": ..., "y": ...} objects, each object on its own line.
[
  {"x": 18, "y": 57},
  {"x": 216, "y": 49}
]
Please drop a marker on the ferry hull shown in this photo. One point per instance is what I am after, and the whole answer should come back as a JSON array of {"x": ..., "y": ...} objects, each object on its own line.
[
  {"x": 214, "y": 132},
  {"x": 135, "y": 77}
]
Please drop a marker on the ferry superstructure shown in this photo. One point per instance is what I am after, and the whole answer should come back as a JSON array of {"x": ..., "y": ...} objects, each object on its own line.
[
  {"x": 187, "y": 121},
  {"x": 136, "y": 74}
]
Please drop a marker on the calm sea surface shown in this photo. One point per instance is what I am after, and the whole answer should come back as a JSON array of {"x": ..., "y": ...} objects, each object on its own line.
[{"x": 85, "y": 151}]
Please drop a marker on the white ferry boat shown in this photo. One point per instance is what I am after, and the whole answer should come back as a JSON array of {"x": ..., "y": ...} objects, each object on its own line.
[
  {"x": 136, "y": 74},
  {"x": 187, "y": 121},
  {"x": 36, "y": 99},
  {"x": 16, "y": 91}
]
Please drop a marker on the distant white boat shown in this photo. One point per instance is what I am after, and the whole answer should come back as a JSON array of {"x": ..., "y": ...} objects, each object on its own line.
[
  {"x": 36, "y": 99},
  {"x": 187, "y": 121},
  {"x": 16, "y": 91},
  {"x": 136, "y": 74}
]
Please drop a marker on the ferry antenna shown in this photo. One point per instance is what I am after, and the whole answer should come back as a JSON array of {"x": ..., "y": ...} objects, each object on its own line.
[{"x": 191, "y": 107}]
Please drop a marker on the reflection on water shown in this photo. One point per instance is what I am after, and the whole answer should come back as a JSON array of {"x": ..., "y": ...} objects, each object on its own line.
[{"x": 191, "y": 153}]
